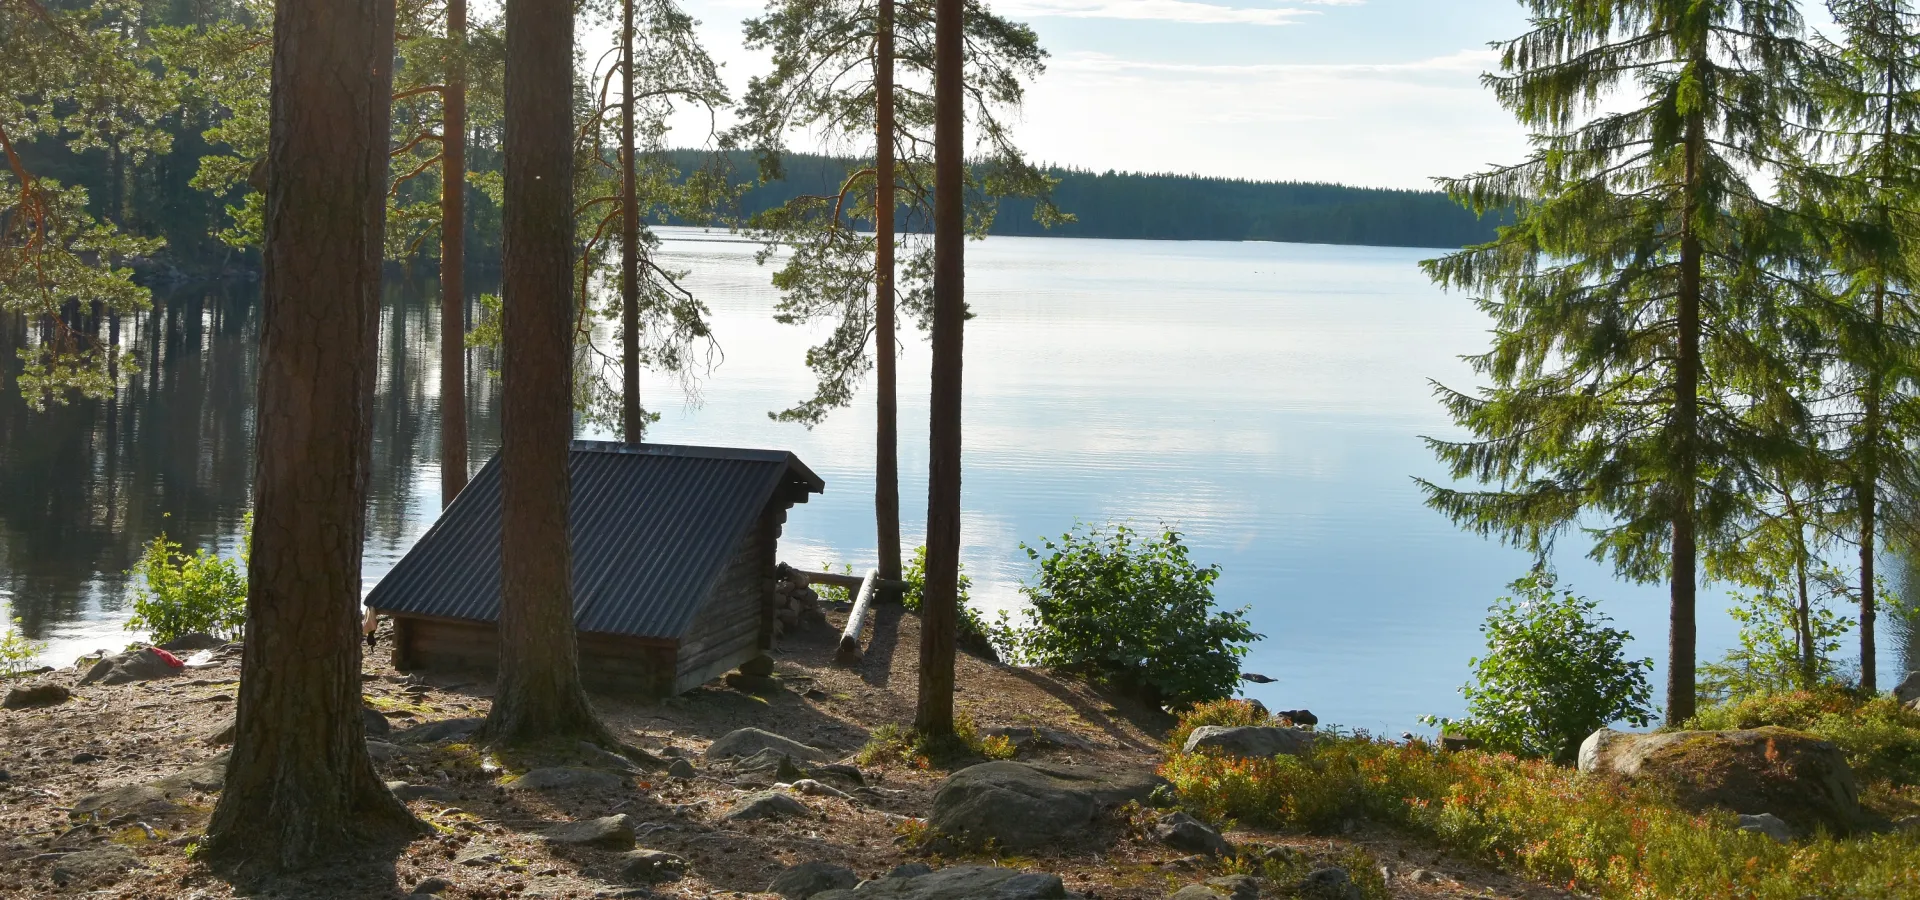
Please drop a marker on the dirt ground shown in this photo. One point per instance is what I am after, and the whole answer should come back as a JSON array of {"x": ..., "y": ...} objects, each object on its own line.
[{"x": 487, "y": 843}]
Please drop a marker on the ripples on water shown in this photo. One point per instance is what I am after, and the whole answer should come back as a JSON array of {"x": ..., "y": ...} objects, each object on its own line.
[{"x": 1266, "y": 399}]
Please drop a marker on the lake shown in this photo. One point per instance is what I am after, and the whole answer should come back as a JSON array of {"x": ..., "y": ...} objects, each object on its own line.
[{"x": 1265, "y": 399}]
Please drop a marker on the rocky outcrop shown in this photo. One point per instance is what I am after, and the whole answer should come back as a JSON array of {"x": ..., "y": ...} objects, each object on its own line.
[
  {"x": 1798, "y": 777},
  {"x": 809, "y": 878},
  {"x": 1250, "y": 741},
  {"x": 95, "y": 865},
  {"x": 1184, "y": 832},
  {"x": 1021, "y": 808},
  {"x": 1329, "y": 883},
  {"x": 144, "y": 664},
  {"x": 1908, "y": 691},
  {"x": 767, "y": 805},
  {"x": 959, "y": 883},
  {"x": 749, "y": 741},
  {"x": 605, "y": 833},
  {"x": 34, "y": 696}
]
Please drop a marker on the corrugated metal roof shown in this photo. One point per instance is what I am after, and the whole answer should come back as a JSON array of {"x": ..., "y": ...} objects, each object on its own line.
[{"x": 652, "y": 524}]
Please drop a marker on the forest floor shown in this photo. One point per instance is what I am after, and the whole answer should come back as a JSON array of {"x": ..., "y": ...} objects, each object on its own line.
[{"x": 488, "y": 843}]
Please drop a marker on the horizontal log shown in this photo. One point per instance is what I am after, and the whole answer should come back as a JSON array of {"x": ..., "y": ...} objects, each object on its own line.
[{"x": 850, "y": 582}]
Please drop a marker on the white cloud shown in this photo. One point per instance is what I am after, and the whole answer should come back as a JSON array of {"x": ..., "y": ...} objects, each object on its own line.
[{"x": 1183, "y": 11}]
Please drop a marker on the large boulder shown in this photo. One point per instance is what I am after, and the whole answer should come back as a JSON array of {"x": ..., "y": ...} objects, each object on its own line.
[
  {"x": 606, "y": 833},
  {"x": 767, "y": 805},
  {"x": 1184, "y": 832},
  {"x": 803, "y": 881},
  {"x": 1795, "y": 776},
  {"x": 959, "y": 883},
  {"x": 1022, "y": 808},
  {"x": 1250, "y": 741},
  {"x": 36, "y": 695},
  {"x": 95, "y": 865},
  {"x": 751, "y": 741},
  {"x": 144, "y": 664},
  {"x": 1908, "y": 691}
]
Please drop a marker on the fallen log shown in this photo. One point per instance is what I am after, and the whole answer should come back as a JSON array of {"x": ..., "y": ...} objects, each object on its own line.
[{"x": 849, "y": 652}]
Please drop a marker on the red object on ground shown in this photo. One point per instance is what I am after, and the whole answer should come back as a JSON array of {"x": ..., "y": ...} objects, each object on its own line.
[{"x": 167, "y": 658}]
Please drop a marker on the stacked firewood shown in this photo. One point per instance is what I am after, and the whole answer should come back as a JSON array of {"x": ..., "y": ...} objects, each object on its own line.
[{"x": 795, "y": 605}]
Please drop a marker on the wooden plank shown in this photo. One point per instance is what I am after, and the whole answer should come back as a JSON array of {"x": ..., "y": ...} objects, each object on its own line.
[{"x": 850, "y": 582}]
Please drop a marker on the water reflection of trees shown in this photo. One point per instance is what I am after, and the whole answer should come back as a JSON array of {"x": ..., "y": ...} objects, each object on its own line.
[{"x": 83, "y": 486}]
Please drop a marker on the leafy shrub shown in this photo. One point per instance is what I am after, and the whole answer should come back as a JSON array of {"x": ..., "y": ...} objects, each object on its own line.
[
  {"x": 1596, "y": 836},
  {"x": 1769, "y": 658},
  {"x": 1553, "y": 673},
  {"x": 17, "y": 653},
  {"x": 904, "y": 745},
  {"x": 974, "y": 635},
  {"x": 1880, "y": 738},
  {"x": 1226, "y": 713},
  {"x": 1137, "y": 613},
  {"x": 179, "y": 594}
]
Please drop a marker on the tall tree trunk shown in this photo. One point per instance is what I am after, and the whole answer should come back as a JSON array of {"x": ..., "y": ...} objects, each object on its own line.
[
  {"x": 299, "y": 786},
  {"x": 453, "y": 262},
  {"x": 632, "y": 424},
  {"x": 539, "y": 694},
  {"x": 938, "y": 607},
  {"x": 886, "y": 466},
  {"x": 1869, "y": 490},
  {"x": 1681, "y": 690}
]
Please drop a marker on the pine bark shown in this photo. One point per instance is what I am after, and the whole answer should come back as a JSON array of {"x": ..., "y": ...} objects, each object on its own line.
[
  {"x": 299, "y": 785},
  {"x": 1682, "y": 628},
  {"x": 1869, "y": 481},
  {"x": 934, "y": 716},
  {"x": 886, "y": 468},
  {"x": 453, "y": 263},
  {"x": 633, "y": 425},
  {"x": 539, "y": 695}
]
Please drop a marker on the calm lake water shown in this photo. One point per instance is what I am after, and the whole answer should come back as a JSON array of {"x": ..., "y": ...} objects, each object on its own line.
[{"x": 1265, "y": 399}]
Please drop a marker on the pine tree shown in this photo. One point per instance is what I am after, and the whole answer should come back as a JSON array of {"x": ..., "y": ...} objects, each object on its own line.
[
  {"x": 860, "y": 73},
  {"x": 1623, "y": 364},
  {"x": 1860, "y": 184}
]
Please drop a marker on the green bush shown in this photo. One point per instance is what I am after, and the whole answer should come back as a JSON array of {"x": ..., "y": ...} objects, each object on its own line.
[
  {"x": 17, "y": 653},
  {"x": 1880, "y": 738},
  {"x": 1770, "y": 658},
  {"x": 1137, "y": 613},
  {"x": 975, "y": 635},
  {"x": 1227, "y": 713},
  {"x": 178, "y": 594},
  {"x": 1553, "y": 673}
]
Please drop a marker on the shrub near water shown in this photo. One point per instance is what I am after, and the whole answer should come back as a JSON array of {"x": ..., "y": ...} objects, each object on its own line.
[
  {"x": 180, "y": 594},
  {"x": 16, "y": 651}
]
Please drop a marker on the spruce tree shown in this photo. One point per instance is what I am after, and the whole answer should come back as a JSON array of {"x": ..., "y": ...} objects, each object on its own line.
[
  {"x": 1623, "y": 364},
  {"x": 1860, "y": 184}
]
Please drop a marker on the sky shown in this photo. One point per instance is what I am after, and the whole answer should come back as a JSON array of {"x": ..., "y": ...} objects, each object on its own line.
[{"x": 1367, "y": 92}]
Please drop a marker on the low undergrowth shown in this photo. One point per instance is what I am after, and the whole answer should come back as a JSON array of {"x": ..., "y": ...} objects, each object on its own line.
[
  {"x": 902, "y": 745},
  {"x": 1598, "y": 836},
  {"x": 1880, "y": 738}
]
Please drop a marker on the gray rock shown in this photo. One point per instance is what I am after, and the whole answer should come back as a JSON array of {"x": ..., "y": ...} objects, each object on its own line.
[
  {"x": 94, "y": 865},
  {"x": 605, "y": 833},
  {"x": 1908, "y": 691},
  {"x": 767, "y": 805},
  {"x": 222, "y": 737},
  {"x": 207, "y": 775},
  {"x": 771, "y": 763},
  {"x": 1768, "y": 824},
  {"x": 477, "y": 855},
  {"x": 814, "y": 788},
  {"x": 1237, "y": 887},
  {"x": 1250, "y": 741},
  {"x": 557, "y": 779},
  {"x": 760, "y": 666},
  {"x": 1022, "y": 808},
  {"x": 1026, "y": 737},
  {"x": 1907, "y": 823},
  {"x": 129, "y": 667},
  {"x": 600, "y": 756},
  {"x": 958, "y": 883},
  {"x": 1196, "y": 892},
  {"x": 430, "y": 732},
  {"x": 651, "y": 866},
  {"x": 753, "y": 684},
  {"x": 749, "y": 741},
  {"x": 1791, "y": 774},
  {"x": 910, "y": 870},
  {"x": 680, "y": 768},
  {"x": 123, "y": 799},
  {"x": 381, "y": 751},
  {"x": 198, "y": 640},
  {"x": 809, "y": 878},
  {"x": 376, "y": 725},
  {"x": 1330, "y": 883},
  {"x": 432, "y": 792},
  {"x": 1425, "y": 876},
  {"x": 433, "y": 885},
  {"x": 1184, "y": 832},
  {"x": 841, "y": 771},
  {"x": 34, "y": 696}
]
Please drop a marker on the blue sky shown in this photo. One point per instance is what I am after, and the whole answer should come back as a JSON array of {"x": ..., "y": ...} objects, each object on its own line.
[{"x": 1371, "y": 92}]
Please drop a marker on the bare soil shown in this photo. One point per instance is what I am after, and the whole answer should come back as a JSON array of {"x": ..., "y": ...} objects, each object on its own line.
[{"x": 488, "y": 845}]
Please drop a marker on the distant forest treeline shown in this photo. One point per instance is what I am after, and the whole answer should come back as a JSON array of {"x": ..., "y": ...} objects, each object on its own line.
[{"x": 1180, "y": 207}]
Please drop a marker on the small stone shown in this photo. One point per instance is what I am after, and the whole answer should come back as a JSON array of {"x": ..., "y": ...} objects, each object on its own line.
[
  {"x": 432, "y": 792},
  {"x": 1196, "y": 892},
  {"x": 127, "y": 798},
  {"x": 433, "y": 885},
  {"x": 1238, "y": 887},
  {"x": 34, "y": 696},
  {"x": 814, "y": 788},
  {"x": 809, "y": 878},
  {"x": 910, "y": 870},
  {"x": 680, "y": 769},
  {"x": 430, "y": 732},
  {"x": 1768, "y": 824},
  {"x": 477, "y": 855},
  {"x": 1184, "y": 832},
  {"x": 767, "y": 805},
  {"x": 749, "y": 741},
  {"x": 375, "y": 723},
  {"x": 761, "y": 665},
  {"x": 840, "y": 771},
  {"x": 552, "y": 779},
  {"x": 1425, "y": 876},
  {"x": 771, "y": 763},
  {"x": 600, "y": 756},
  {"x": 815, "y": 693},
  {"x": 606, "y": 833},
  {"x": 93, "y": 865},
  {"x": 752, "y": 684},
  {"x": 1031, "y": 886},
  {"x": 381, "y": 751},
  {"x": 1329, "y": 883},
  {"x": 80, "y": 759},
  {"x": 651, "y": 866},
  {"x": 222, "y": 737}
]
